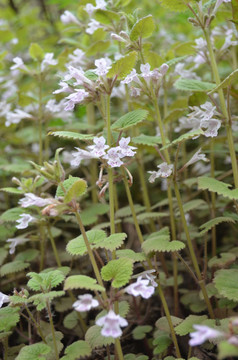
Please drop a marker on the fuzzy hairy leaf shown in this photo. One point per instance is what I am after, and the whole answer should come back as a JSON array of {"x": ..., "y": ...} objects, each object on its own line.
[
  {"x": 130, "y": 119},
  {"x": 122, "y": 67},
  {"x": 140, "y": 331},
  {"x": 174, "y": 5},
  {"x": 222, "y": 261},
  {"x": 226, "y": 82},
  {"x": 82, "y": 282},
  {"x": 71, "y": 320},
  {"x": 225, "y": 281},
  {"x": 130, "y": 254},
  {"x": 29, "y": 255},
  {"x": 12, "y": 215},
  {"x": 147, "y": 216},
  {"x": 186, "y": 326},
  {"x": 119, "y": 270},
  {"x": 99, "y": 46},
  {"x": 193, "y": 85},
  {"x": 45, "y": 280},
  {"x": 123, "y": 309},
  {"x": 36, "y": 52},
  {"x": 126, "y": 211},
  {"x": 13, "y": 267},
  {"x": 72, "y": 135},
  {"x": 227, "y": 350},
  {"x": 146, "y": 140},
  {"x": 143, "y": 28},
  {"x": 78, "y": 188},
  {"x": 189, "y": 135},
  {"x": 77, "y": 246},
  {"x": 163, "y": 325},
  {"x": 9, "y": 317},
  {"x": 40, "y": 300},
  {"x": 106, "y": 17},
  {"x": 34, "y": 352},
  {"x": 193, "y": 204},
  {"x": 112, "y": 242},
  {"x": 79, "y": 349},
  {"x": 50, "y": 342},
  {"x": 12, "y": 190},
  {"x": 221, "y": 188},
  {"x": 211, "y": 223},
  {"x": 62, "y": 191},
  {"x": 161, "y": 243},
  {"x": 95, "y": 339},
  {"x": 161, "y": 343}
]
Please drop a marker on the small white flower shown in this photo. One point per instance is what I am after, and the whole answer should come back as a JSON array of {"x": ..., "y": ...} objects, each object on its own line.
[
  {"x": 212, "y": 126},
  {"x": 125, "y": 149},
  {"x": 99, "y": 147},
  {"x": 19, "y": 64},
  {"x": 100, "y": 4},
  {"x": 93, "y": 25},
  {"x": 117, "y": 37},
  {"x": 3, "y": 299},
  {"x": 75, "y": 98},
  {"x": 85, "y": 303},
  {"x": 103, "y": 65},
  {"x": 64, "y": 88},
  {"x": 112, "y": 324},
  {"x": 31, "y": 199},
  {"x": 135, "y": 91},
  {"x": 164, "y": 68},
  {"x": 133, "y": 76},
  {"x": 154, "y": 175},
  {"x": 77, "y": 58},
  {"x": 145, "y": 71},
  {"x": 165, "y": 169},
  {"x": 67, "y": 17},
  {"x": 197, "y": 157},
  {"x": 80, "y": 155},
  {"x": 202, "y": 334},
  {"x": 113, "y": 157},
  {"x": 16, "y": 116},
  {"x": 141, "y": 288},
  {"x": 48, "y": 60},
  {"x": 16, "y": 241},
  {"x": 24, "y": 221}
]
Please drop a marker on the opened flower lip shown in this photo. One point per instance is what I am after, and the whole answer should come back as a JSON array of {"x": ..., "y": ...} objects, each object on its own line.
[
  {"x": 140, "y": 288},
  {"x": 24, "y": 221},
  {"x": 3, "y": 299},
  {"x": 111, "y": 324},
  {"x": 197, "y": 157},
  {"x": 85, "y": 303},
  {"x": 13, "y": 242},
  {"x": 113, "y": 157},
  {"x": 165, "y": 170},
  {"x": 31, "y": 199},
  {"x": 202, "y": 334}
]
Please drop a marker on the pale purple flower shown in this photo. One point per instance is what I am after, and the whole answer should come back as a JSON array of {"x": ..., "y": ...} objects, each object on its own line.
[
  {"x": 197, "y": 157},
  {"x": 75, "y": 98},
  {"x": 102, "y": 65},
  {"x": 93, "y": 25},
  {"x": 202, "y": 334},
  {"x": 145, "y": 71},
  {"x": 15, "y": 242},
  {"x": 212, "y": 126},
  {"x": 19, "y": 64},
  {"x": 112, "y": 324},
  {"x": 3, "y": 299},
  {"x": 64, "y": 88},
  {"x": 77, "y": 58},
  {"x": 31, "y": 199},
  {"x": 125, "y": 149},
  {"x": 24, "y": 221},
  {"x": 165, "y": 170},
  {"x": 233, "y": 340},
  {"x": 85, "y": 303},
  {"x": 164, "y": 68},
  {"x": 80, "y": 155},
  {"x": 100, "y": 4},
  {"x": 135, "y": 91},
  {"x": 67, "y": 17},
  {"x": 133, "y": 76},
  {"x": 140, "y": 288},
  {"x": 78, "y": 74},
  {"x": 154, "y": 175},
  {"x": 218, "y": 3},
  {"x": 48, "y": 60},
  {"x": 113, "y": 157},
  {"x": 99, "y": 147},
  {"x": 90, "y": 8},
  {"x": 16, "y": 116}
]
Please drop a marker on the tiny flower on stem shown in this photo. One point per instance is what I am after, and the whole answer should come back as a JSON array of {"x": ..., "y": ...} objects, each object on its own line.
[
  {"x": 99, "y": 147},
  {"x": 113, "y": 157},
  {"x": 85, "y": 303},
  {"x": 196, "y": 157},
  {"x": 202, "y": 334},
  {"x": 111, "y": 324},
  {"x": 24, "y": 221},
  {"x": 141, "y": 288},
  {"x": 165, "y": 170},
  {"x": 31, "y": 199},
  {"x": 124, "y": 148},
  {"x": 67, "y": 17},
  {"x": 16, "y": 241}
]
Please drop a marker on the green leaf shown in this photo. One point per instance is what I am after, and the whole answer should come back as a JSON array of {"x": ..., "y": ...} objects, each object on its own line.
[
  {"x": 161, "y": 343},
  {"x": 163, "y": 325},
  {"x": 126, "y": 211},
  {"x": 45, "y": 280},
  {"x": 193, "y": 85},
  {"x": 130, "y": 254},
  {"x": 98, "y": 47},
  {"x": 78, "y": 188},
  {"x": 193, "y": 204},
  {"x": 225, "y": 281},
  {"x": 3, "y": 255},
  {"x": 82, "y": 282},
  {"x": 13, "y": 267},
  {"x": 71, "y": 320},
  {"x": 119, "y": 270},
  {"x": 67, "y": 184},
  {"x": 184, "y": 137},
  {"x": 95, "y": 339},
  {"x": 221, "y": 188},
  {"x": 143, "y": 28},
  {"x": 28, "y": 255},
  {"x": 227, "y": 350},
  {"x": 222, "y": 261},
  {"x": 140, "y": 331},
  {"x": 145, "y": 217},
  {"x": 123, "y": 310},
  {"x": 12, "y": 215},
  {"x": 77, "y": 246},
  {"x": 226, "y": 82},
  {"x": 72, "y": 135},
  {"x": 186, "y": 326},
  {"x": 41, "y": 300},
  {"x": 12, "y": 190},
  {"x": 211, "y": 223},
  {"x": 77, "y": 350},
  {"x": 174, "y": 5},
  {"x": 9, "y": 317},
  {"x": 34, "y": 352},
  {"x": 122, "y": 67},
  {"x": 147, "y": 140},
  {"x": 130, "y": 119},
  {"x": 36, "y": 52},
  {"x": 160, "y": 241},
  {"x": 113, "y": 242},
  {"x": 106, "y": 17}
]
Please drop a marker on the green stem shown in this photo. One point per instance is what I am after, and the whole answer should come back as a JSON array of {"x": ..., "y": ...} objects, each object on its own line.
[
  {"x": 40, "y": 120},
  {"x": 52, "y": 240},
  {"x": 168, "y": 316},
  {"x": 52, "y": 330},
  {"x": 5, "y": 346},
  {"x": 42, "y": 247},
  {"x": 223, "y": 107},
  {"x": 90, "y": 253},
  {"x": 192, "y": 253},
  {"x": 119, "y": 349},
  {"x": 35, "y": 323},
  {"x": 93, "y": 168},
  {"x": 213, "y": 198}
]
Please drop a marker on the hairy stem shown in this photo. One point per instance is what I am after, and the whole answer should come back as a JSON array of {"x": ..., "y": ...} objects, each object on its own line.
[{"x": 52, "y": 330}]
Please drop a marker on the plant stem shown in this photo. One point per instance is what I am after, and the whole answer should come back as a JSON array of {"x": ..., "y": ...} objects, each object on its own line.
[
  {"x": 52, "y": 240},
  {"x": 90, "y": 253},
  {"x": 52, "y": 330},
  {"x": 42, "y": 247},
  {"x": 213, "y": 198},
  {"x": 223, "y": 107},
  {"x": 35, "y": 323},
  {"x": 192, "y": 253},
  {"x": 40, "y": 120},
  {"x": 167, "y": 313},
  {"x": 119, "y": 349}
]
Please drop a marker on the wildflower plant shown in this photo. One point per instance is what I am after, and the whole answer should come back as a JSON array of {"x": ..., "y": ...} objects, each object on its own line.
[{"x": 113, "y": 229}]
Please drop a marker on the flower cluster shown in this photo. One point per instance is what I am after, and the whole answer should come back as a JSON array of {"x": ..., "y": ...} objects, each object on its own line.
[
  {"x": 165, "y": 170},
  {"x": 114, "y": 155}
]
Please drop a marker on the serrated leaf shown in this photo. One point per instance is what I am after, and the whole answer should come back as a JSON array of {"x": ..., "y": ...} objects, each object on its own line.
[
  {"x": 45, "y": 280},
  {"x": 13, "y": 267},
  {"x": 9, "y": 317},
  {"x": 72, "y": 135},
  {"x": 12, "y": 190},
  {"x": 40, "y": 300},
  {"x": 71, "y": 320},
  {"x": 126, "y": 211},
  {"x": 78, "y": 188},
  {"x": 77, "y": 246},
  {"x": 130, "y": 119},
  {"x": 29, "y": 255},
  {"x": 113, "y": 242},
  {"x": 95, "y": 339},
  {"x": 193, "y": 204},
  {"x": 222, "y": 261},
  {"x": 82, "y": 282},
  {"x": 147, "y": 216},
  {"x": 79, "y": 349},
  {"x": 226, "y": 82},
  {"x": 34, "y": 352},
  {"x": 146, "y": 140},
  {"x": 161, "y": 343},
  {"x": 227, "y": 350},
  {"x": 186, "y": 326},
  {"x": 221, "y": 188},
  {"x": 122, "y": 67},
  {"x": 140, "y": 331},
  {"x": 106, "y": 17},
  {"x": 189, "y": 135},
  {"x": 143, "y": 28},
  {"x": 130, "y": 254},
  {"x": 211, "y": 223},
  {"x": 193, "y": 85},
  {"x": 50, "y": 341},
  {"x": 36, "y": 52},
  {"x": 66, "y": 185},
  {"x": 163, "y": 325},
  {"x": 119, "y": 270},
  {"x": 161, "y": 243},
  {"x": 12, "y": 215},
  {"x": 225, "y": 281}
]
